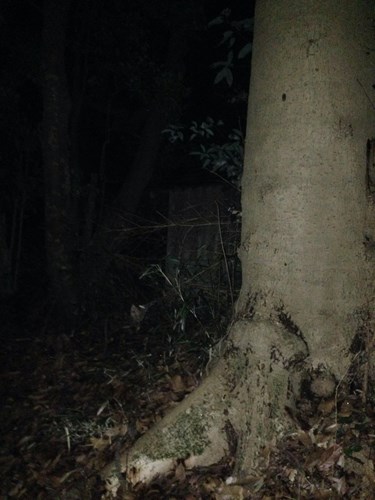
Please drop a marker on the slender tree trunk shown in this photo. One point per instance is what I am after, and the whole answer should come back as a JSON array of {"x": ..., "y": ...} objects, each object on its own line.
[
  {"x": 164, "y": 109},
  {"x": 55, "y": 144},
  {"x": 308, "y": 267}
]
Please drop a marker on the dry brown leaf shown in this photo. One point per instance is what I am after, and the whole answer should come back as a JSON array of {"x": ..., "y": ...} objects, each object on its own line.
[
  {"x": 304, "y": 438},
  {"x": 117, "y": 430},
  {"x": 128, "y": 495},
  {"x": 326, "y": 406},
  {"x": 346, "y": 409},
  {"x": 323, "y": 440},
  {"x": 81, "y": 459},
  {"x": 211, "y": 484},
  {"x": 291, "y": 474},
  {"x": 359, "y": 464},
  {"x": 180, "y": 472},
  {"x": 191, "y": 383},
  {"x": 230, "y": 492},
  {"x": 142, "y": 425},
  {"x": 99, "y": 444},
  {"x": 177, "y": 384},
  {"x": 332, "y": 427},
  {"x": 330, "y": 457},
  {"x": 339, "y": 484},
  {"x": 323, "y": 493}
]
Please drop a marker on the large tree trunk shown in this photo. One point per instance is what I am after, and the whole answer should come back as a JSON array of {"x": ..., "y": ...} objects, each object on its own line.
[
  {"x": 308, "y": 267},
  {"x": 55, "y": 144},
  {"x": 304, "y": 187}
]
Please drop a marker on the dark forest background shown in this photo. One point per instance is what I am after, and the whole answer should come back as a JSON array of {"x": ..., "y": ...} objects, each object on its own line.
[{"x": 102, "y": 106}]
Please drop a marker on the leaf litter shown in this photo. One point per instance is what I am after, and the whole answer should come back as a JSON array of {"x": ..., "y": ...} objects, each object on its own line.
[{"x": 70, "y": 406}]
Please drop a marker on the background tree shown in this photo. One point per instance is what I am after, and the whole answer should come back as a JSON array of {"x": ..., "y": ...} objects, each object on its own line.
[
  {"x": 58, "y": 193},
  {"x": 163, "y": 103},
  {"x": 306, "y": 252},
  {"x": 20, "y": 153}
]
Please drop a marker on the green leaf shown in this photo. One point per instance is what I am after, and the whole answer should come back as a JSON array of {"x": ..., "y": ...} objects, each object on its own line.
[
  {"x": 226, "y": 36},
  {"x": 229, "y": 77},
  {"x": 220, "y": 76},
  {"x": 246, "y": 49}
]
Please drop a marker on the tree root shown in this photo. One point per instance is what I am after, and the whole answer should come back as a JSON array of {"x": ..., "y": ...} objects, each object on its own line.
[{"x": 247, "y": 391}]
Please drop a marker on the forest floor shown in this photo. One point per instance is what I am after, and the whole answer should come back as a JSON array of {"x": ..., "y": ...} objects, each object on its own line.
[{"x": 70, "y": 403}]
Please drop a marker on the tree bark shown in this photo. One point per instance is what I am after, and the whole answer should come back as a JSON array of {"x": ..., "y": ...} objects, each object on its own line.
[
  {"x": 303, "y": 252},
  {"x": 55, "y": 145},
  {"x": 308, "y": 272}
]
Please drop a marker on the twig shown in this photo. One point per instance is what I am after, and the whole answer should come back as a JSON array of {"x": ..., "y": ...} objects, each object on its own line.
[{"x": 225, "y": 257}]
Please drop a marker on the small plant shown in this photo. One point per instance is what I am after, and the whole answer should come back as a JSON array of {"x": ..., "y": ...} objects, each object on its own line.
[{"x": 237, "y": 33}]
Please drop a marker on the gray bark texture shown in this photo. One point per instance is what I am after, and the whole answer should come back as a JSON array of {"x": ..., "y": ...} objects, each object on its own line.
[{"x": 305, "y": 203}]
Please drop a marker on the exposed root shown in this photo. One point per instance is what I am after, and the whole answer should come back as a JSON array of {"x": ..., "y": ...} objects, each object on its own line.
[{"x": 248, "y": 390}]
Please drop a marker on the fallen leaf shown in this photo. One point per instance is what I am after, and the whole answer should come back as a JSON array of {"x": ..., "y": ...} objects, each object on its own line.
[
  {"x": 180, "y": 472},
  {"x": 330, "y": 457},
  {"x": 177, "y": 383}
]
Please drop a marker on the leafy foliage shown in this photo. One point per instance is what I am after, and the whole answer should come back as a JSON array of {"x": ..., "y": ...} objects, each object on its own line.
[
  {"x": 235, "y": 39},
  {"x": 224, "y": 159}
]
